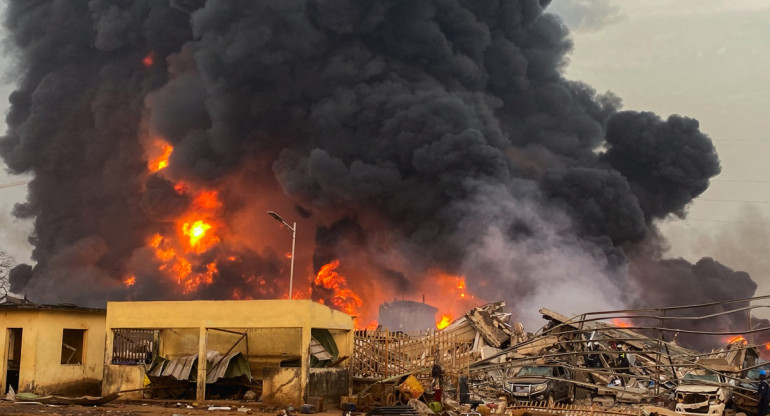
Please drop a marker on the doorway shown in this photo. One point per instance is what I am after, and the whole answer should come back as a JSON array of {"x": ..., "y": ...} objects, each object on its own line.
[{"x": 13, "y": 360}]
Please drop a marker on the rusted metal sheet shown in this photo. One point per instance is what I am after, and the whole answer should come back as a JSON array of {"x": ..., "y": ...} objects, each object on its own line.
[
  {"x": 230, "y": 366},
  {"x": 180, "y": 368},
  {"x": 217, "y": 367}
]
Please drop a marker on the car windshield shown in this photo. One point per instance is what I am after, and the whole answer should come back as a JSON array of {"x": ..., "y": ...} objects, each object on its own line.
[
  {"x": 534, "y": 371},
  {"x": 702, "y": 377},
  {"x": 753, "y": 374}
]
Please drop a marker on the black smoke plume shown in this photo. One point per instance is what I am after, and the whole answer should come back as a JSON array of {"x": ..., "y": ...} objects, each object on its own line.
[{"x": 414, "y": 135}]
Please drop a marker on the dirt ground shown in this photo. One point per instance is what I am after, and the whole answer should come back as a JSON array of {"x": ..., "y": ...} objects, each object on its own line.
[{"x": 120, "y": 408}]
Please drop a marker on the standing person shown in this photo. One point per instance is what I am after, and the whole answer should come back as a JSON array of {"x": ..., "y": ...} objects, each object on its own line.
[{"x": 763, "y": 394}]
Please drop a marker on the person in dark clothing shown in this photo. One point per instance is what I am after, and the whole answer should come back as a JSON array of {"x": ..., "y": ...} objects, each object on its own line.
[{"x": 763, "y": 395}]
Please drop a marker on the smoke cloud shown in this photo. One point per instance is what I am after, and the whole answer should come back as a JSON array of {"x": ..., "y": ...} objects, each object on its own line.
[{"x": 412, "y": 136}]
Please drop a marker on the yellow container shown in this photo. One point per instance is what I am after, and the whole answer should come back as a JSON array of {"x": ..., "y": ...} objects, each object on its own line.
[{"x": 412, "y": 387}]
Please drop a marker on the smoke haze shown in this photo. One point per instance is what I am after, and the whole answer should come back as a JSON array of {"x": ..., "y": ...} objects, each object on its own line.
[{"x": 405, "y": 136}]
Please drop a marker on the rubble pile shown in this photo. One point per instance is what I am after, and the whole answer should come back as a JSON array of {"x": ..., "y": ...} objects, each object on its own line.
[{"x": 593, "y": 360}]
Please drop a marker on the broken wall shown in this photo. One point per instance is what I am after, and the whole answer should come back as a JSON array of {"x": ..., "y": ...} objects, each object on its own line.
[
  {"x": 329, "y": 383},
  {"x": 268, "y": 347},
  {"x": 277, "y": 330},
  {"x": 282, "y": 386}
]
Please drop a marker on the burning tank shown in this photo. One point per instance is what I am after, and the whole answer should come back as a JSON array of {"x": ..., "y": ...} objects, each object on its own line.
[{"x": 407, "y": 315}]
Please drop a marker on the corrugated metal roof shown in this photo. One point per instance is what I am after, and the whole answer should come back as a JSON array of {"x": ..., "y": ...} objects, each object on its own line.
[
  {"x": 217, "y": 367},
  {"x": 318, "y": 351},
  {"x": 180, "y": 368},
  {"x": 230, "y": 366}
]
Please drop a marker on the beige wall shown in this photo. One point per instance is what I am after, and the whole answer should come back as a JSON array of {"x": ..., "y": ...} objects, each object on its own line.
[
  {"x": 226, "y": 314},
  {"x": 41, "y": 370}
]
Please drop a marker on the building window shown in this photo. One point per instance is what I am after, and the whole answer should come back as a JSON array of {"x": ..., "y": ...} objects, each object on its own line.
[
  {"x": 134, "y": 346},
  {"x": 72, "y": 345}
]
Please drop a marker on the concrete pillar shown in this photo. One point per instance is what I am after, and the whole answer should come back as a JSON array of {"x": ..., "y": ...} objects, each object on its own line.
[
  {"x": 350, "y": 348},
  {"x": 3, "y": 358},
  {"x": 109, "y": 340},
  {"x": 203, "y": 338},
  {"x": 305, "y": 372}
]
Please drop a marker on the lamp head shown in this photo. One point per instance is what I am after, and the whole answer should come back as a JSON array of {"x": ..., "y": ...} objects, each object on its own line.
[{"x": 274, "y": 215}]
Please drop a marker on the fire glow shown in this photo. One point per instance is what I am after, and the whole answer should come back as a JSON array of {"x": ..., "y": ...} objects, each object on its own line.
[
  {"x": 620, "y": 323},
  {"x": 129, "y": 281},
  {"x": 195, "y": 231},
  {"x": 343, "y": 298},
  {"x": 159, "y": 152},
  {"x": 178, "y": 268},
  {"x": 148, "y": 59},
  {"x": 446, "y": 319},
  {"x": 198, "y": 231},
  {"x": 451, "y": 296}
]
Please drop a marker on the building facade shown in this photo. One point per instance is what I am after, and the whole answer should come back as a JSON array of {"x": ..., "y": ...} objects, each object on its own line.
[{"x": 48, "y": 349}]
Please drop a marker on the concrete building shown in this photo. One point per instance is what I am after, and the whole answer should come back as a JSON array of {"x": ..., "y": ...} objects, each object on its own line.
[
  {"x": 48, "y": 349},
  {"x": 276, "y": 337}
]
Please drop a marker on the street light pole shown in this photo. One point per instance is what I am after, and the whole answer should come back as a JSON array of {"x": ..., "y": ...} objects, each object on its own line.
[{"x": 293, "y": 230}]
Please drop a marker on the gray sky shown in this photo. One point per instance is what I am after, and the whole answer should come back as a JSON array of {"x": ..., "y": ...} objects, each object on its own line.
[
  {"x": 706, "y": 59},
  {"x": 13, "y": 232}
]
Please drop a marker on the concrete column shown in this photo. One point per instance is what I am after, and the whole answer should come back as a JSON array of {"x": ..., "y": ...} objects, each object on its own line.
[
  {"x": 203, "y": 338},
  {"x": 305, "y": 372},
  {"x": 109, "y": 340},
  {"x": 350, "y": 347},
  {"x": 3, "y": 358}
]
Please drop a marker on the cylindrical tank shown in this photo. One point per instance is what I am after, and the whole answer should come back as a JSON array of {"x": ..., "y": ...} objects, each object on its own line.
[{"x": 407, "y": 315}]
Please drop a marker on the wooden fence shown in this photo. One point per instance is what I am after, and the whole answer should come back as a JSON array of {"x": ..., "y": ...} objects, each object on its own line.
[
  {"x": 383, "y": 354},
  {"x": 571, "y": 409}
]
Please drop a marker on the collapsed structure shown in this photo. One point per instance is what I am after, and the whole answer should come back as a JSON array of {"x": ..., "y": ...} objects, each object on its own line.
[
  {"x": 282, "y": 350},
  {"x": 285, "y": 352},
  {"x": 275, "y": 341},
  {"x": 597, "y": 357}
]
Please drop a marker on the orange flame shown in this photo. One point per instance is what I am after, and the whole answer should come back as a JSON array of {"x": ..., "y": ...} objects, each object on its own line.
[
  {"x": 446, "y": 319},
  {"x": 620, "y": 323},
  {"x": 767, "y": 346},
  {"x": 160, "y": 152},
  {"x": 371, "y": 326},
  {"x": 737, "y": 339},
  {"x": 129, "y": 281},
  {"x": 343, "y": 298},
  {"x": 149, "y": 59},
  {"x": 207, "y": 200},
  {"x": 180, "y": 188},
  {"x": 450, "y": 294},
  {"x": 179, "y": 268},
  {"x": 195, "y": 231}
]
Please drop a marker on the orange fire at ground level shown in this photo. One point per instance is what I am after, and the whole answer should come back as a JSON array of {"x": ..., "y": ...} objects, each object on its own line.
[
  {"x": 446, "y": 319},
  {"x": 620, "y": 323},
  {"x": 450, "y": 296}
]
